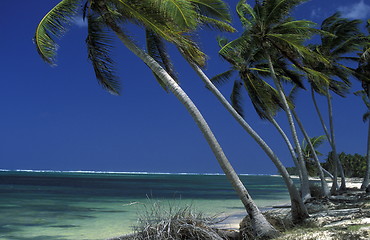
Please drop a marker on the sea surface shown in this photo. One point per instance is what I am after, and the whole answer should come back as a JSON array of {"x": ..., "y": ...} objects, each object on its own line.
[{"x": 49, "y": 205}]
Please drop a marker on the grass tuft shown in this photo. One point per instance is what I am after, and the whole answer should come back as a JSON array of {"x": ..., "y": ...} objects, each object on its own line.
[{"x": 158, "y": 222}]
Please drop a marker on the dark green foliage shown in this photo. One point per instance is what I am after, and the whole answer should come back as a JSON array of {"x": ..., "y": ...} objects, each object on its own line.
[
  {"x": 353, "y": 165},
  {"x": 99, "y": 47}
]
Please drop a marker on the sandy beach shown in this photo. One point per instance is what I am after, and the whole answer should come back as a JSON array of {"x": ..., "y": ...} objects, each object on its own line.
[{"x": 233, "y": 220}]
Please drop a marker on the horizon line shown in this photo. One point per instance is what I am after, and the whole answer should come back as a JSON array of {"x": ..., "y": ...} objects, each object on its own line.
[{"x": 125, "y": 172}]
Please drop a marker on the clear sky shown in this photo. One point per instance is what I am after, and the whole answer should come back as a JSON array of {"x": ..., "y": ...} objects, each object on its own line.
[{"x": 59, "y": 118}]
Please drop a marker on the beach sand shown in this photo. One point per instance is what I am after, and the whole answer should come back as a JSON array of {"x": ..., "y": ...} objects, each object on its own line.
[{"x": 233, "y": 220}]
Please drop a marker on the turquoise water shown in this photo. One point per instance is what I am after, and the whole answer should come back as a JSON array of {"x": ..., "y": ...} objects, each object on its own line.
[{"x": 87, "y": 205}]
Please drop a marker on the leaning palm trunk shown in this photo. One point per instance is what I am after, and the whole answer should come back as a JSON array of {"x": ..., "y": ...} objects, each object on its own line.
[
  {"x": 299, "y": 210},
  {"x": 305, "y": 188},
  {"x": 332, "y": 142},
  {"x": 289, "y": 144},
  {"x": 330, "y": 137},
  {"x": 261, "y": 227},
  {"x": 334, "y": 185},
  {"x": 328, "y": 173},
  {"x": 324, "y": 184},
  {"x": 366, "y": 180}
]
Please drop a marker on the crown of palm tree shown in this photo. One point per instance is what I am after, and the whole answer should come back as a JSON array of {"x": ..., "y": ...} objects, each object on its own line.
[
  {"x": 345, "y": 38},
  {"x": 252, "y": 68},
  {"x": 171, "y": 20}
]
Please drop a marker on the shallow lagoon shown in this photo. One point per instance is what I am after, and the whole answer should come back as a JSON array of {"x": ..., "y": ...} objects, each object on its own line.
[{"x": 92, "y": 206}]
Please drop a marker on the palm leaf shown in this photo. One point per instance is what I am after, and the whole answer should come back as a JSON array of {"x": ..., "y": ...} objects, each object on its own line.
[
  {"x": 234, "y": 46},
  {"x": 317, "y": 141},
  {"x": 277, "y": 10},
  {"x": 264, "y": 97},
  {"x": 216, "y": 24},
  {"x": 364, "y": 97},
  {"x": 222, "y": 78},
  {"x": 236, "y": 98},
  {"x": 157, "y": 50},
  {"x": 99, "y": 47},
  {"x": 53, "y": 25},
  {"x": 181, "y": 12},
  {"x": 242, "y": 8},
  {"x": 150, "y": 20},
  {"x": 213, "y": 8},
  {"x": 366, "y": 116}
]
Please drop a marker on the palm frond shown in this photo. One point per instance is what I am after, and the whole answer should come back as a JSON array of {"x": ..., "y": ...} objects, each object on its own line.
[
  {"x": 234, "y": 46},
  {"x": 264, "y": 97},
  {"x": 243, "y": 9},
  {"x": 277, "y": 10},
  {"x": 222, "y": 78},
  {"x": 216, "y": 24},
  {"x": 366, "y": 116},
  {"x": 148, "y": 18},
  {"x": 364, "y": 97},
  {"x": 293, "y": 93},
  {"x": 236, "y": 98},
  {"x": 157, "y": 50},
  {"x": 99, "y": 47},
  {"x": 222, "y": 41},
  {"x": 213, "y": 8},
  {"x": 181, "y": 12},
  {"x": 53, "y": 25},
  {"x": 317, "y": 141},
  {"x": 190, "y": 50}
]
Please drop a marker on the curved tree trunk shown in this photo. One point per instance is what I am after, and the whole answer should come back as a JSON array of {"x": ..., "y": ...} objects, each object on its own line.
[
  {"x": 366, "y": 180},
  {"x": 305, "y": 188},
  {"x": 334, "y": 185},
  {"x": 261, "y": 227},
  {"x": 299, "y": 210},
  {"x": 324, "y": 184},
  {"x": 332, "y": 137},
  {"x": 288, "y": 143},
  {"x": 328, "y": 173}
]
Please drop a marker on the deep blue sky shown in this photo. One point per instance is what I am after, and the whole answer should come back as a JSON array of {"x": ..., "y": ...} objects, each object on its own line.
[{"x": 59, "y": 118}]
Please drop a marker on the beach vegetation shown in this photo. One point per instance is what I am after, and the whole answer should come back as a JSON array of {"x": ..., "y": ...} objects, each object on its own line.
[
  {"x": 157, "y": 221},
  {"x": 344, "y": 40},
  {"x": 308, "y": 153},
  {"x": 363, "y": 74},
  {"x": 354, "y": 165},
  {"x": 269, "y": 34}
]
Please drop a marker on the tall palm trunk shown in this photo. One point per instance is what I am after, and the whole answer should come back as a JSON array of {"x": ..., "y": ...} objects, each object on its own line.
[
  {"x": 305, "y": 188},
  {"x": 324, "y": 184},
  {"x": 334, "y": 185},
  {"x": 330, "y": 136},
  {"x": 333, "y": 144},
  {"x": 299, "y": 210},
  {"x": 366, "y": 180},
  {"x": 261, "y": 227},
  {"x": 288, "y": 143}
]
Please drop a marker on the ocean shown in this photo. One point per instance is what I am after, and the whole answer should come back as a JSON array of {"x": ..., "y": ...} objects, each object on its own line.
[{"x": 49, "y": 205}]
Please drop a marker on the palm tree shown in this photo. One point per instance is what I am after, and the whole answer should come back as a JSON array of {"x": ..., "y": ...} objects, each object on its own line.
[
  {"x": 310, "y": 147},
  {"x": 269, "y": 28},
  {"x": 308, "y": 153},
  {"x": 299, "y": 211},
  {"x": 363, "y": 74},
  {"x": 344, "y": 38},
  {"x": 167, "y": 19}
]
